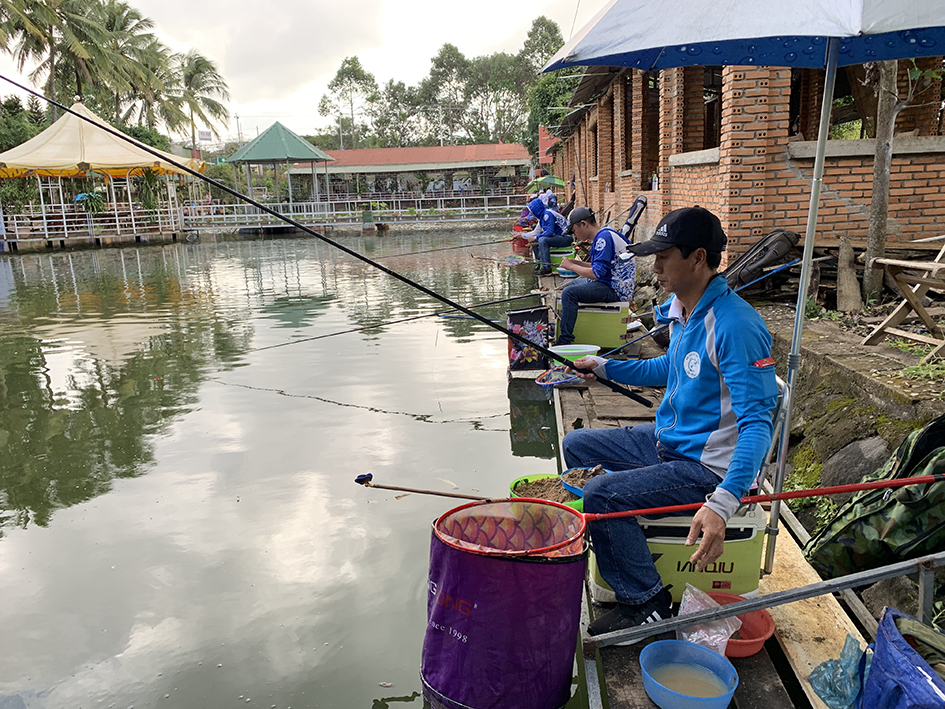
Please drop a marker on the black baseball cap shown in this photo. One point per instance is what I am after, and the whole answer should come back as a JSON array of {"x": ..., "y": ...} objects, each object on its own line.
[
  {"x": 579, "y": 214},
  {"x": 695, "y": 227}
]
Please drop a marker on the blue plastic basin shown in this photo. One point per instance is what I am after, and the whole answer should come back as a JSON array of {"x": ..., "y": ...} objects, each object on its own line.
[{"x": 665, "y": 652}]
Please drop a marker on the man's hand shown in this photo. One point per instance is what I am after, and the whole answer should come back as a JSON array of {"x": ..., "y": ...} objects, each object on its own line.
[
  {"x": 712, "y": 528},
  {"x": 566, "y": 263}
]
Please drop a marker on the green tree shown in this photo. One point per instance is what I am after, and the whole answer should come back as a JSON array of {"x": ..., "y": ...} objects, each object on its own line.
[
  {"x": 15, "y": 125},
  {"x": 544, "y": 39},
  {"x": 395, "y": 120},
  {"x": 62, "y": 36},
  {"x": 545, "y": 99},
  {"x": 350, "y": 83},
  {"x": 200, "y": 84},
  {"x": 129, "y": 40}
]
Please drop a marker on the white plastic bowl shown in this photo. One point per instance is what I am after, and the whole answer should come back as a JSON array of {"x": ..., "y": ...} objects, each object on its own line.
[{"x": 575, "y": 352}]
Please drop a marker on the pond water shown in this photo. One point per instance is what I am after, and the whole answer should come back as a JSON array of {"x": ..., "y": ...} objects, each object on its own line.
[{"x": 179, "y": 523}]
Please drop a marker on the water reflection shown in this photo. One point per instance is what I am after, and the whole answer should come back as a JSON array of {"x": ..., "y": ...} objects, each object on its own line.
[{"x": 176, "y": 500}]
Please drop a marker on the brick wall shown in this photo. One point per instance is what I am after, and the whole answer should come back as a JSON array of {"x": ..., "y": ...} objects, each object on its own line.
[{"x": 761, "y": 179}]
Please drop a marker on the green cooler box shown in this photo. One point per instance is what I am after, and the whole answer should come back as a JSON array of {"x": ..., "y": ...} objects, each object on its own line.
[
  {"x": 559, "y": 253},
  {"x": 736, "y": 571},
  {"x": 602, "y": 324}
]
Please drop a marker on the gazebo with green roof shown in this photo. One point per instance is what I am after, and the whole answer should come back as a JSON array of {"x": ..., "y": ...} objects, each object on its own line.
[{"x": 277, "y": 145}]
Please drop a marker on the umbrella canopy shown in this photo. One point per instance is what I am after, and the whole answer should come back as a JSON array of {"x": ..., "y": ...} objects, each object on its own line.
[
  {"x": 673, "y": 33},
  {"x": 544, "y": 181},
  {"x": 73, "y": 146},
  {"x": 649, "y": 35}
]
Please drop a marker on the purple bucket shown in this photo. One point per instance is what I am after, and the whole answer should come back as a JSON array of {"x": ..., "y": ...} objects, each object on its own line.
[{"x": 504, "y": 605}]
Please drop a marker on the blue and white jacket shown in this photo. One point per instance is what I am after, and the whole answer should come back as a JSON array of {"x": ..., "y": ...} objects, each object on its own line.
[
  {"x": 609, "y": 268},
  {"x": 550, "y": 223},
  {"x": 720, "y": 389}
]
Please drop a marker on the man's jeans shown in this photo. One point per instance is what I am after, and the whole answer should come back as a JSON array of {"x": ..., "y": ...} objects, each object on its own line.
[
  {"x": 543, "y": 246},
  {"x": 580, "y": 290},
  {"x": 649, "y": 475}
]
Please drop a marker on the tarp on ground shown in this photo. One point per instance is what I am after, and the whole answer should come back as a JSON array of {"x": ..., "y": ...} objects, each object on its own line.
[
  {"x": 278, "y": 144},
  {"x": 74, "y": 146}
]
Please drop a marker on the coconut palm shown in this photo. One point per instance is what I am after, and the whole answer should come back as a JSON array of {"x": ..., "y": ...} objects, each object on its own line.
[
  {"x": 66, "y": 38},
  {"x": 155, "y": 97},
  {"x": 199, "y": 83},
  {"x": 128, "y": 39}
]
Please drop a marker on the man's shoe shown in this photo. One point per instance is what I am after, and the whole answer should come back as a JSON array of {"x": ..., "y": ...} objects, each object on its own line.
[
  {"x": 629, "y": 616},
  {"x": 543, "y": 271}
]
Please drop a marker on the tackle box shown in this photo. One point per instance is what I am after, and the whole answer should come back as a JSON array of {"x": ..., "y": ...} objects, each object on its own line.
[
  {"x": 736, "y": 571},
  {"x": 602, "y": 324}
]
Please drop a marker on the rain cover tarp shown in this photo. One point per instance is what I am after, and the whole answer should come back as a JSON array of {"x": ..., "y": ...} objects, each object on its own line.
[{"x": 504, "y": 605}]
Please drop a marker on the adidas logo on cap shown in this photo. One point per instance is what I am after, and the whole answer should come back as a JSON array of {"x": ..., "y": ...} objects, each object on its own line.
[{"x": 661, "y": 231}]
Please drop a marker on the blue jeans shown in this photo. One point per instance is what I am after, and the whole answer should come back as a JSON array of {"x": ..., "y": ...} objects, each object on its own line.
[
  {"x": 580, "y": 290},
  {"x": 542, "y": 247},
  {"x": 648, "y": 474}
]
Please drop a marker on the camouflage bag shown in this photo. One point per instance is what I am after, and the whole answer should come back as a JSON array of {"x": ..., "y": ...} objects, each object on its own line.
[{"x": 879, "y": 527}]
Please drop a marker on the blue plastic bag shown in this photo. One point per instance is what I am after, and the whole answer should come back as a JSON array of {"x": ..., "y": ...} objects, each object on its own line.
[{"x": 837, "y": 682}]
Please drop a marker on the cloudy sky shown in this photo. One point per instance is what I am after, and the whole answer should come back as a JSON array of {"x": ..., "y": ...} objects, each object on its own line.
[{"x": 279, "y": 56}]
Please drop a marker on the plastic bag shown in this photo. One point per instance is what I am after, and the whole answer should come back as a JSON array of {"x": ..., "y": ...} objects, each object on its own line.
[
  {"x": 837, "y": 682},
  {"x": 713, "y": 635}
]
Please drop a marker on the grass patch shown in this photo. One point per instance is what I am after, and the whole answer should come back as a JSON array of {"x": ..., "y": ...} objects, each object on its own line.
[
  {"x": 931, "y": 370},
  {"x": 914, "y": 348}
]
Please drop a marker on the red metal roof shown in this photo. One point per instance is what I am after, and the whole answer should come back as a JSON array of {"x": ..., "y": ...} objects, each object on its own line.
[{"x": 436, "y": 154}]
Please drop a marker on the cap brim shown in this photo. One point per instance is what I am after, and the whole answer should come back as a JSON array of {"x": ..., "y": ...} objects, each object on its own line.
[{"x": 648, "y": 248}]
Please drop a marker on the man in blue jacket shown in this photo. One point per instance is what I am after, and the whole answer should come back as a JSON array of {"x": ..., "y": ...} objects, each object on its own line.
[
  {"x": 548, "y": 233},
  {"x": 713, "y": 426},
  {"x": 608, "y": 278}
]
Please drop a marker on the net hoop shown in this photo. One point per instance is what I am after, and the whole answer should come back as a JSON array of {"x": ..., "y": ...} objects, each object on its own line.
[
  {"x": 569, "y": 545},
  {"x": 541, "y": 379}
]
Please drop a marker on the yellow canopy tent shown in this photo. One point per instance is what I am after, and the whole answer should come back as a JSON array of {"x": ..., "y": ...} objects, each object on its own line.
[{"x": 72, "y": 146}]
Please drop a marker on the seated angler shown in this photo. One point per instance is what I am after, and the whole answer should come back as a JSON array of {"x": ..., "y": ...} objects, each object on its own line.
[
  {"x": 547, "y": 234},
  {"x": 608, "y": 278},
  {"x": 713, "y": 426}
]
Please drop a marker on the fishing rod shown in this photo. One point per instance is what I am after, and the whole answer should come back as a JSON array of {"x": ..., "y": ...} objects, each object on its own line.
[
  {"x": 390, "y": 322},
  {"x": 367, "y": 478},
  {"x": 521, "y": 339},
  {"x": 747, "y": 500},
  {"x": 662, "y": 327}
]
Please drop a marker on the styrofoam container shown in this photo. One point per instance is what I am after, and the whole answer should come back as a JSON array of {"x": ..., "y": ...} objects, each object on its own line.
[{"x": 575, "y": 352}]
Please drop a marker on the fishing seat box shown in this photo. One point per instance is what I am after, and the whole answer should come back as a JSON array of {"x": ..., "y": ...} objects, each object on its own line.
[
  {"x": 602, "y": 324},
  {"x": 738, "y": 570}
]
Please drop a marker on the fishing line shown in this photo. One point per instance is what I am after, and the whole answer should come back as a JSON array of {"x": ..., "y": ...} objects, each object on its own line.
[
  {"x": 521, "y": 339},
  {"x": 441, "y": 313},
  {"x": 445, "y": 248},
  {"x": 422, "y": 418}
]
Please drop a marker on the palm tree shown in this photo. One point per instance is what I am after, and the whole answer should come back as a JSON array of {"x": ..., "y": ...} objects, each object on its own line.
[
  {"x": 66, "y": 38},
  {"x": 199, "y": 83},
  {"x": 155, "y": 97},
  {"x": 128, "y": 42}
]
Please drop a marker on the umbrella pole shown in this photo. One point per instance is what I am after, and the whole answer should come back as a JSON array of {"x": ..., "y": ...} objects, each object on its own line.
[{"x": 794, "y": 359}]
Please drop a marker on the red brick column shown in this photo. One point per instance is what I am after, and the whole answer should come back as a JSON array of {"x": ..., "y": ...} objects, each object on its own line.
[
  {"x": 755, "y": 115},
  {"x": 605, "y": 152}
]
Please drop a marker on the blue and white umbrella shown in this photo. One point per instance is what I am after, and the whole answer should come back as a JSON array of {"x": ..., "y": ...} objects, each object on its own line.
[{"x": 814, "y": 34}]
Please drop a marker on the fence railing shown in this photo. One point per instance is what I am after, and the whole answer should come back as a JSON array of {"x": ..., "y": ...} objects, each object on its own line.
[{"x": 56, "y": 223}]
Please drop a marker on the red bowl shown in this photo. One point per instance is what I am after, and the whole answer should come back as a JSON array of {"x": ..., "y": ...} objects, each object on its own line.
[{"x": 757, "y": 626}]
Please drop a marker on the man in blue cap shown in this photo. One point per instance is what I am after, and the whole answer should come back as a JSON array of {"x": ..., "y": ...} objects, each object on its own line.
[
  {"x": 548, "y": 234},
  {"x": 609, "y": 277},
  {"x": 713, "y": 426}
]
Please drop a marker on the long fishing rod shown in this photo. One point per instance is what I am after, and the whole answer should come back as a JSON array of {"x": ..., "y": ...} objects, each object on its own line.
[
  {"x": 366, "y": 480},
  {"x": 308, "y": 230},
  {"x": 389, "y": 322}
]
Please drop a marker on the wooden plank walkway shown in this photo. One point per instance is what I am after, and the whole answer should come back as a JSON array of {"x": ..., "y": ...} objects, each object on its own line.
[{"x": 808, "y": 632}]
